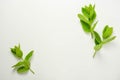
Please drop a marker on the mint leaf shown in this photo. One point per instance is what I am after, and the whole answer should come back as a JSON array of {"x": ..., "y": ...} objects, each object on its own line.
[
  {"x": 108, "y": 40},
  {"x": 22, "y": 69},
  {"x": 107, "y": 32},
  {"x": 29, "y": 55},
  {"x": 83, "y": 18},
  {"x": 92, "y": 14},
  {"x": 19, "y": 64},
  {"x": 97, "y": 38},
  {"x": 105, "y": 28},
  {"x": 85, "y": 12},
  {"x": 85, "y": 26},
  {"x": 17, "y": 51}
]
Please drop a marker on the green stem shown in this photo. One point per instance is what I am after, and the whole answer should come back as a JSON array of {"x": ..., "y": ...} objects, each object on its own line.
[
  {"x": 92, "y": 35},
  {"x": 32, "y": 71},
  {"x": 92, "y": 32},
  {"x": 94, "y": 54}
]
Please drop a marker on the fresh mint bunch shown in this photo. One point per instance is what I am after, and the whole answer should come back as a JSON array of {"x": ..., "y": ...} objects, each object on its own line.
[
  {"x": 88, "y": 22},
  {"x": 87, "y": 18},
  {"x": 24, "y": 64}
]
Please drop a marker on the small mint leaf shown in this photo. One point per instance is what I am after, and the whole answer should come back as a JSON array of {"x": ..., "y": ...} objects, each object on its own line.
[
  {"x": 19, "y": 64},
  {"x": 85, "y": 26},
  {"x": 107, "y": 32},
  {"x": 108, "y": 40},
  {"x": 22, "y": 69},
  {"x": 97, "y": 38},
  {"x": 29, "y": 55},
  {"x": 83, "y": 18},
  {"x": 17, "y": 51}
]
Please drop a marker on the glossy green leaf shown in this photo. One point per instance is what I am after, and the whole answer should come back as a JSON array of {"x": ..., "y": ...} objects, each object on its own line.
[
  {"x": 27, "y": 63},
  {"x": 29, "y": 55},
  {"x": 85, "y": 12},
  {"x": 97, "y": 38},
  {"x": 85, "y": 26},
  {"x": 13, "y": 51},
  {"x": 22, "y": 69},
  {"x": 107, "y": 32},
  {"x": 17, "y": 51},
  {"x": 19, "y": 64},
  {"x": 93, "y": 17},
  {"x": 83, "y": 18},
  {"x": 108, "y": 39},
  {"x": 105, "y": 28},
  {"x": 92, "y": 10},
  {"x": 96, "y": 42}
]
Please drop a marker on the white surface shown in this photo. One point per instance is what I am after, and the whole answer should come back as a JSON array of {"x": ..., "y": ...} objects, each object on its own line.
[{"x": 62, "y": 50}]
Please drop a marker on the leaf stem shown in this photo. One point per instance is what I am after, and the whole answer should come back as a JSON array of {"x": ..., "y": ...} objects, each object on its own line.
[
  {"x": 32, "y": 71},
  {"x": 92, "y": 35},
  {"x": 94, "y": 54}
]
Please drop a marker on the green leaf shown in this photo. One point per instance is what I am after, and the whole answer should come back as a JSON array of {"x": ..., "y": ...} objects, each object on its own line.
[
  {"x": 92, "y": 14},
  {"x": 17, "y": 51},
  {"x": 22, "y": 63},
  {"x": 97, "y": 38},
  {"x": 93, "y": 17},
  {"x": 19, "y": 64},
  {"x": 83, "y": 18},
  {"x": 105, "y": 28},
  {"x": 98, "y": 47},
  {"x": 96, "y": 42},
  {"x": 107, "y": 32},
  {"x": 108, "y": 40},
  {"x": 22, "y": 69},
  {"x": 13, "y": 51},
  {"x": 85, "y": 26},
  {"x": 85, "y": 12},
  {"x": 27, "y": 63},
  {"x": 29, "y": 55}
]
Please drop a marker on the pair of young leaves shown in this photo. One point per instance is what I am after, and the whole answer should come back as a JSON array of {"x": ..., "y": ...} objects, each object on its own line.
[
  {"x": 24, "y": 64},
  {"x": 106, "y": 37},
  {"x": 87, "y": 20}
]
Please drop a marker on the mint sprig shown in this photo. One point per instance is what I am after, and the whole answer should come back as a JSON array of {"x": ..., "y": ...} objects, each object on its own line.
[
  {"x": 24, "y": 64},
  {"x": 88, "y": 22},
  {"x": 106, "y": 37},
  {"x": 87, "y": 19}
]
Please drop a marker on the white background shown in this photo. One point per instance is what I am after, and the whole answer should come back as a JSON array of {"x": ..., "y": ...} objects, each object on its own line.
[{"x": 62, "y": 50}]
